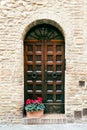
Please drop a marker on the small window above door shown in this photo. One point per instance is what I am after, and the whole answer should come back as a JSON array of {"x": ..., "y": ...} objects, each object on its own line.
[{"x": 44, "y": 32}]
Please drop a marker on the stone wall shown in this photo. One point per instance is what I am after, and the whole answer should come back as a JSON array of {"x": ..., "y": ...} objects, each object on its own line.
[{"x": 16, "y": 17}]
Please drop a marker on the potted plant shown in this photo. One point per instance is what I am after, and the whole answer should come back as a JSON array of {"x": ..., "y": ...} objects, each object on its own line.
[{"x": 34, "y": 108}]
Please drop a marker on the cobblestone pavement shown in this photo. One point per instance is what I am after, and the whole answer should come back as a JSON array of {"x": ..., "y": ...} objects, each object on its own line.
[{"x": 44, "y": 127}]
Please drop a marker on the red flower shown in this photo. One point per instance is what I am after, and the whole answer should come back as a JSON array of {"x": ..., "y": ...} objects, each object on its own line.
[
  {"x": 35, "y": 101},
  {"x": 32, "y": 101},
  {"x": 40, "y": 99},
  {"x": 28, "y": 101}
]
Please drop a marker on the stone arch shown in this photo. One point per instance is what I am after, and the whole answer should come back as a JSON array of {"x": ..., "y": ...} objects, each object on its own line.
[
  {"x": 44, "y": 21},
  {"x": 61, "y": 21}
]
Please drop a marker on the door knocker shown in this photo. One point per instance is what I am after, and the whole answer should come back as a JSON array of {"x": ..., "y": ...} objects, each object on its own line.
[
  {"x": 34, "y": 75},
  {"x": 54, "y": 75}
]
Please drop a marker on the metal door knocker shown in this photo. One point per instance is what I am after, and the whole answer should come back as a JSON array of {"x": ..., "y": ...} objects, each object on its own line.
[
  {"x": 34, "y": 75},
  {"x": 54, "y": 75}
]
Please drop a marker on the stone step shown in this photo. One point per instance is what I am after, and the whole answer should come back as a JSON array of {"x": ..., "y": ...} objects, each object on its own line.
[{"x": 46, "y": 119}]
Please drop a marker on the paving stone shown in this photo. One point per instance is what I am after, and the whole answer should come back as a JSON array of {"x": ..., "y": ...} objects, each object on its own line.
[{"x": 46, "y": 127}]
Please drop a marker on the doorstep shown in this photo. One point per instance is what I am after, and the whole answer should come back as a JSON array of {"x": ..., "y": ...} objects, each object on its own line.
[{"x": 46, "y": 119}]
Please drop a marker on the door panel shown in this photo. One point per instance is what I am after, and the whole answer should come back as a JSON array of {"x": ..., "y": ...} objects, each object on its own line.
[
  {"x": 44, "y": 73},
  {"x": 54, "y": 67},
  {"x": 34, "y": 67}
]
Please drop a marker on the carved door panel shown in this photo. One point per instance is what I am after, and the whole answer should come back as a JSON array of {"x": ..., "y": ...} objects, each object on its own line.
[
  {"x": 44, "y": 73},
  {"x": 54, "y": 80}
]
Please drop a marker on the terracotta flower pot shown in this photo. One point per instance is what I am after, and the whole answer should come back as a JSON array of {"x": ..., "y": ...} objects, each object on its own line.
[{"x": 35, "y": 114}]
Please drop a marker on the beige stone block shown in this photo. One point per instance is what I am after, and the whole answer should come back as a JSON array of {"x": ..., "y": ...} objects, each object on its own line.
[{"x": 79, "y": 41}]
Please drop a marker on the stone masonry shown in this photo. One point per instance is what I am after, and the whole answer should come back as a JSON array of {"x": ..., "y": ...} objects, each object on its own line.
[{"x": 16, "y": 17}]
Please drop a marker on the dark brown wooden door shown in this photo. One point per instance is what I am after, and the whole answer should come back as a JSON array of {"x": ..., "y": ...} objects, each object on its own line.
[{"x": 44, "y": 73}]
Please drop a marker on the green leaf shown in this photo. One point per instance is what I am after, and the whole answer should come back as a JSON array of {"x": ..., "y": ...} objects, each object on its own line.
[{"x": 35, "y": 107}]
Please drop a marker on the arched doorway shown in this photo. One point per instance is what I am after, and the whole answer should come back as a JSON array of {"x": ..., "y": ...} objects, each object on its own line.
[{"x": 44, "y": 51}]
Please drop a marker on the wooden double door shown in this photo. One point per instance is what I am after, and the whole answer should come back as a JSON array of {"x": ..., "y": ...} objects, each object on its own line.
[{"x": 44, "y": 73}]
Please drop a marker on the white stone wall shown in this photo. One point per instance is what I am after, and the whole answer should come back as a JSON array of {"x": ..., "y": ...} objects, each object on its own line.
[{"x": 16, "y": 17}]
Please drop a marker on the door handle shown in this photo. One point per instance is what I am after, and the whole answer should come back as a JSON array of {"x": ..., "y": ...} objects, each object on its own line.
[
  {"x": 34, "y": 75},
  {"x": 54, "y": 75}
]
